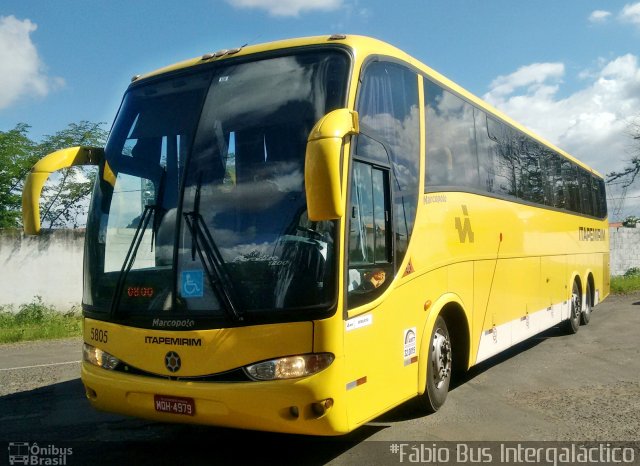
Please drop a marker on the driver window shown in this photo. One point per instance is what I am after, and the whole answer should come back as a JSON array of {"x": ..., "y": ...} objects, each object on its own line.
[{"x": 370, "y": 263}]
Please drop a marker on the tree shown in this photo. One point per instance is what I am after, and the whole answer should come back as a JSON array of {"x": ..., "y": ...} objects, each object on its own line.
[
  {"x": 628, "y": 174},
  {"x": 17, "y": 156},
  {"x": 64, "y": 201},
  {"x": 64, "y": 196}
]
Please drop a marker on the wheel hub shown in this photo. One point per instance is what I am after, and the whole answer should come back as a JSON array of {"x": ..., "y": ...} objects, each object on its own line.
[
  {"x": 441, "y": 359},
  {"x": 576, "y": 305}
]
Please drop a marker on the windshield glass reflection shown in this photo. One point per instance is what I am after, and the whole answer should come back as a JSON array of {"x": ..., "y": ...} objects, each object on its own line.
[{"x": 247, "y": 168}]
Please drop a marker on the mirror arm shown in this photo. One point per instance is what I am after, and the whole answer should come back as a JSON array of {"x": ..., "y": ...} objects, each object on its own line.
[{"x": 39, "y": 174}]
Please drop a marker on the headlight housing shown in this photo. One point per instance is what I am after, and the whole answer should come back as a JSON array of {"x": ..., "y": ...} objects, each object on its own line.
[
  {"x": 289, "y": 367},
  {"x": 99, "y": 358}
]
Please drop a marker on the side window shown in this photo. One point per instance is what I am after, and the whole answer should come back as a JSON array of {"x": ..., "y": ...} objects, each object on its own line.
[
  {"x": 531, "y": 176},
  {"x": 546, "y": 168},
  {"x": 601, "y": 198},
  {"x": 570, "y": 175},
  {"x": 388, "y": 109},
  {"x": 586, "y": 192},
  {"x": 556, "y": 181},
  {"x": 452, "y": 158},
  {"x": 505, "y": 157},
  {"x": 370, "y": 258},
  {"x": 486, "y": 152}
]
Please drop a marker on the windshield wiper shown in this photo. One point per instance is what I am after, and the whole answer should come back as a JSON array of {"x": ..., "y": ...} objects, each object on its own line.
[
  {"x": 210, "y": 257},
  {"x": 130, "y": 258},
  {"x": 149, "y": 211}
]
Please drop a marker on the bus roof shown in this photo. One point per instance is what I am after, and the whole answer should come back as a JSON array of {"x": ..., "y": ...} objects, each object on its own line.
[{"x": 362, "y": 46}]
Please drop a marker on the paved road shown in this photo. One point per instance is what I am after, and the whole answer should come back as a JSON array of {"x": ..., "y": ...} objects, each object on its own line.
[{"x": 554, "y": 387}]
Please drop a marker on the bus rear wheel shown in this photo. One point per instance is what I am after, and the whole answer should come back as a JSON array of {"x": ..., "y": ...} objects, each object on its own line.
[
  {"x": 439, "y": 367},
  {"x": 573, "y": 324},
  {"x": 585, "y": 316}
]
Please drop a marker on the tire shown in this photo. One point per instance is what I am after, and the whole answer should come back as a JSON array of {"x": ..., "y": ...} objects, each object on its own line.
[
  {"x": 573, "y": 324},
  {"x": 439, "y": 366},
  {"x": 585, "y": 315}
]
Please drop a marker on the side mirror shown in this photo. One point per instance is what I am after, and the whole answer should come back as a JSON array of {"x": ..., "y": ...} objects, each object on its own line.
[
  {"x": 322, "y": 168},
  {"x": 39, "y": 174}
]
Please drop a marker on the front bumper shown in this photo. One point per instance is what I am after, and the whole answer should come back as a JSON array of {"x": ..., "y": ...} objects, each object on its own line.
[{"x": 290, "y": 406}]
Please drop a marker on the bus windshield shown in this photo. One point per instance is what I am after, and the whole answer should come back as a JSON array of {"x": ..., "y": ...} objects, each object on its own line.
[{"x": 199, "y": 210}]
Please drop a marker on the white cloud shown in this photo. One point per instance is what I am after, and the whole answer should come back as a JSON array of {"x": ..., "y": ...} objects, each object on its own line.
[
  {"x": 631, "y": 13},
  {"x": 22, "y": 72},
  {"x": 533, "y": 77},
  {"x": 599, "y": 16},
  {"x": 287, "y": 7},
  {"x": 592, "y": 123}
]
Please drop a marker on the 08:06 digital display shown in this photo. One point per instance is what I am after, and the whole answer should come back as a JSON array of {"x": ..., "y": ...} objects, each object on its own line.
[{"x": 139, "y": 292}]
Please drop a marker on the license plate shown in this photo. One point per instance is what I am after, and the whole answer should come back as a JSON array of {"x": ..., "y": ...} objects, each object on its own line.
[{"x": 175, "y": 405}]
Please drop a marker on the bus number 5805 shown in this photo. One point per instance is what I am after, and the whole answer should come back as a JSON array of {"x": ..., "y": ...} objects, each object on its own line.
[{"x": 99, "y": 335}]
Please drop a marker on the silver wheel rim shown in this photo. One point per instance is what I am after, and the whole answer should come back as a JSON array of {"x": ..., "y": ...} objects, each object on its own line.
[{"x": 440, "y": 358}]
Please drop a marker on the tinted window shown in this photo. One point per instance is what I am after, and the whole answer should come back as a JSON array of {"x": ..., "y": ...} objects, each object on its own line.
[
  {"x": 468, "y": 150},
  {"x": 370, "y": 267},
  {"x": 367, "y": 233},
  {"x": 245, "y": 186},
  {"x": 388, "y": 109},
  {"x": 600, "y": 201},
  {"x": 451, "y": 142},
  {"x": 586, "y": 193},
  {"x": 487, "y": 152},
  {"x": 531, "y": 182},
  {"x": 506, "y": 163},
  {"x": 570, "y": 175}
]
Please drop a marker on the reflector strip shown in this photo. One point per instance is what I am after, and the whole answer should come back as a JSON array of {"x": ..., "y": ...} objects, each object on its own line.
[
  {"x": 355, "y": 383},
  {"x": 410, "y": 361}
]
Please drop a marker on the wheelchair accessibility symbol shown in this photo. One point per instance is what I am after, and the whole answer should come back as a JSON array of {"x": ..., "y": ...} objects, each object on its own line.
[{"x": 192, "y": 284}]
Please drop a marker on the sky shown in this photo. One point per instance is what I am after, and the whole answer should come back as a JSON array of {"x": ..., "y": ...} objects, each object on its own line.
[{"x": 567, "y": 69}]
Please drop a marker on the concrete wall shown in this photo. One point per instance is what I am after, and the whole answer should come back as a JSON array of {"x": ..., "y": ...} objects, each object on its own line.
[
  {"x": 625, "y": 249},
  {"x": 49, "y": 265}
]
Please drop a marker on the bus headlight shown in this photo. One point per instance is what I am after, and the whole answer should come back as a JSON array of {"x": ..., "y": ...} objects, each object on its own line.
[
  {"x": 289, "y": 367},
  {"x": 99, "y": 358}
]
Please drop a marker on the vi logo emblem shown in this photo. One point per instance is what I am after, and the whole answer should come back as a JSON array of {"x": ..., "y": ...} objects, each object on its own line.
[{"x": 463, "y": 225}]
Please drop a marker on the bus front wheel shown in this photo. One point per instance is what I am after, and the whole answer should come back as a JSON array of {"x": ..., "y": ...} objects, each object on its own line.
[{"x": 439, "y": 367}]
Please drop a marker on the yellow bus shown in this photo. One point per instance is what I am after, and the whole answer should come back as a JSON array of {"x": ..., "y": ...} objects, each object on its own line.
[{"x": 301, "y": 235}]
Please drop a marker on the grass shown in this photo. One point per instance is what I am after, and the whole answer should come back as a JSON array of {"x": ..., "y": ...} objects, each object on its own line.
[
  {"x": 625, "y": 284},
  {"x": 37, "y": 321}
]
